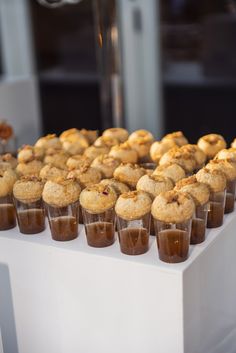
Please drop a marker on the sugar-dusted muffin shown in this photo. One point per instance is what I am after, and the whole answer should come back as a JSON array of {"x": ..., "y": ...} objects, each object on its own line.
[
  {"x": 211, "y": 144},
  {"x": 73, "y": 148},
  {"x": 133, "y": 205},
  {"x": 74, "y": 136},
  {"x": 185, "y": 159},
  {"x": 225, "y": 166},
  {"x": 229, "y": 154},
  {"x": 154, "y": 184},
  {"x": 158, "y": 148},
  {"x": 106, "y": 141},
  {"x": 118, "y": 186},
  {"x": 7, "y": 179},
  {"x": 29, "y": 153},
  {"x": 178, "y": 137},
  {"x": 28, "y": 189},
  {"x": 198, "y": 154},
  {"x": 173, "y": 207},
  {"x": 141, "y": 141},
  {"x": 233, "y": 144},
  {"x": 30, "y": 168},
  {"x": 78, "y": 161},
  {"x": 106, "y": 165},
  {"x": 214, "y": 179},
  {"x": 56, "y": 158},
  {"x": 129, "y": 174},
  {"x": 93, "y": 152},
  {"x": 170, "y": 170},
  {"x": 9, "y": 159},
  {"x": 86, "y": 176},
  {"x": 98, "y": 198},
  {"x": 61, "y": 192},
  {"x": 117, "y": 133},
  {"x": 90, "y": 135},
  {"x": 48, "y": 141},
  {"x": 125, "y": 153},
  {"x": 49, "y": 172},
  {"x": 199, "y": 192}
]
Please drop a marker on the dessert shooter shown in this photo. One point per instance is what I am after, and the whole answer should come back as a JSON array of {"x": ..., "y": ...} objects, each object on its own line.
[
  {"x": 106, "y": 141},
  {"x": 158, "y": 148},
  {"x": 129, "y": 174},
  {"x": 90, "y": 135},
  {"x": 183, "y": 158},
  {"x": 141, "y": 141},
  {"x": 27, "y": 193},
  {"x": 133, "y": 215},
  {"x": 154, "y": 185},
  {"x": 97, "y": 202},
  {"x": 74, "y": 136},
  {"x": 7, "y": 210},
  {"x": 9, "y": 159},
  {"x": 229, "y": 169},
  {"x": 197, "y": 153},
  {"x": 106, "y": 165},
  {"x": 61, "y": 198},
  {"x": 56, "y": 158},
  {"x": 211, "y": 144},
  {"x": 170, "y": 170},
  {"x": 118, "y": 186},
  {"x": 29, "y": 160},
  {"x": 178, "y": 138},
  {"x": 200, "y": 194},
  {"x": 216, "y": 181},
  {"x": 48, "y": 141},
  {"x": 229, "y": 154},
  {"x": 125, "y": 153},
  {"x": 117, "y": 133},
  {"x": 93, "y": 152},
  {"x": 48, "y": 172},
  {"x": 172, "y": 212},
  {"x": 77, "y": 162}
]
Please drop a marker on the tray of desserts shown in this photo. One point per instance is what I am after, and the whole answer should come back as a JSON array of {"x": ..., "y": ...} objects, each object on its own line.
[{"x": 120, "y": 182}]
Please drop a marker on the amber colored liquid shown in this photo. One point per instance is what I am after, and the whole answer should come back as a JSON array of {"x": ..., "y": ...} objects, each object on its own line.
[
  {"x": 229, "y": 203},
  {"x": 31, "y": 221},
  {"x": 134, "y": 241},
  {"x": 173, "y": 245},
  {"x": 7, "y": 216},
  {"x": 198, "y": 231},
  {"x": 215, "y": 215},
  {"x": 100, "y": 234},
  {"x": 64, "y": 228},
  {"x": 152, "y": 227}
]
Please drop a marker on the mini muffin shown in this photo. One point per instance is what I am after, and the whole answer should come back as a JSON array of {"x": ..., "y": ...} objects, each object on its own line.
[
  {"x": 117, "y": 133},
  {"x": 106, "y": 141},
  {"x": 198, "y": 154},
  {"x": 93, "y": 152},
  {"x": 118, "y": 186},
  {"x": 28, "y": 189},
  {"x": 141, "y": 141},
  {"x": 90, "y": 135},
  {"x": 211, "y": 144},
  {"x": 78, "y": 161},
  {"x": 173, "y": 207},
  {"x": 98, "y": 198},
  {"x": 199, "y": 192},
  {"x": 129, "y": 174},
  {"x": 106, "y": 165},
  {"x": 61, "y": 192},
  {"x": 86, "y": 176},
  {"x": 178, "y": 137},
  {"x": 133, "y": 205},
  {"x": 49, "y": 172},
  {"x": 56, "y": 158},
  {"x": 7, "y": 179},
  {"x": 48, "y": 141},
  {"x": 170, "y": 170},
  {"x": 8, "y": 158},
  {"x": 214, "y": 179},
  {"x": 74, "y": 136},
  {"x": 185, "y": 159},
  {"x": 73, "y": 148},
  {"x": 233, "y": 144},
  {"x": 159, "y": 148},
  {"x": 225, "y": 166},
  {"x": 154, "y": 184},
  {"x": 124, "y": 153},
  {"x": 29, "y": 153},
  {"x": 30, "y": 168},
  {"x": 229, "y": 154}
]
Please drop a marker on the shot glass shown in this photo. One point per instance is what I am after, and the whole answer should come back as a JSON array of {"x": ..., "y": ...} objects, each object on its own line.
[
  {"x": 30, "y": 216},
  {"x": 215, "y": 215},
  {"x": 134, "y": 235},
  {"x": 7, "y": 213},
  {"x": 199, "y": 223},
  {"x": 63, "y": 221},
  {"x": 230, "y": 196},
  {"x": 99, "y": 228},
  {"x": 173, "y": 240}
]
